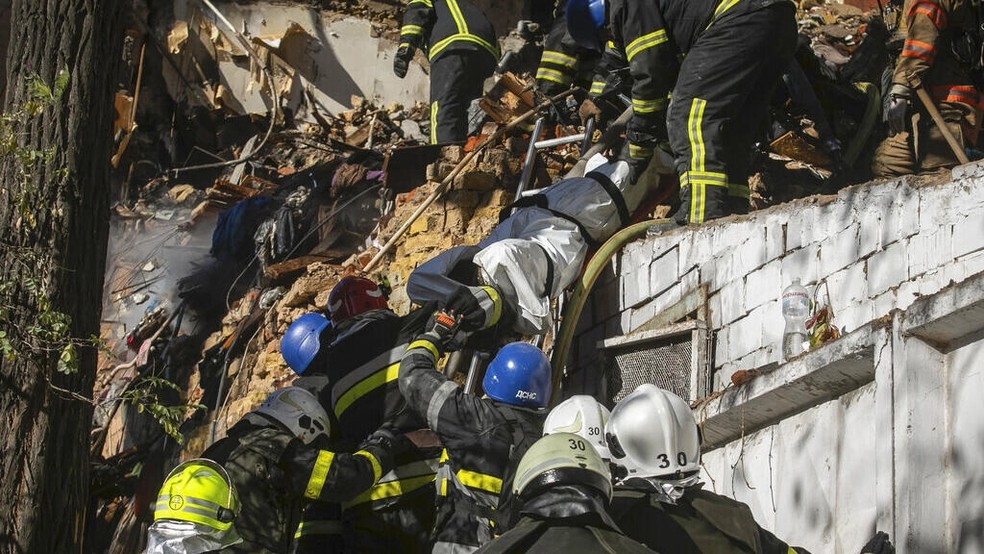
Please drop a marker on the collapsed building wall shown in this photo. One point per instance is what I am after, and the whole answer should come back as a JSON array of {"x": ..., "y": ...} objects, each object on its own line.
[{"x": 878, "y": 429}]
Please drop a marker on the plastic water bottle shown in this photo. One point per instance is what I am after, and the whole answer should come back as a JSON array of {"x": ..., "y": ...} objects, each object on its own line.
[{"x": 795, "y": 310}]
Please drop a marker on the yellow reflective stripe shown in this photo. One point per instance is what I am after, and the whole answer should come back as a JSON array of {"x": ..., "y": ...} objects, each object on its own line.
[
  {"x": 791, "y": 550},
  {"x": 444, "y": 456},
  {"x": 434, "y": 122},
  {"x": 308, "y": 528},
  {"x": 390, "y": 489},
  {"x": 377, "y": 469},
  {"x": 424, "y": 2},
  {"x": 496, "y": 304},
  {"x": 442, "y": 44},
  {"x": 387, "y": 374},
  {"x": 648, "y": 106},
  {"x": 555, "y": 76},
  {"x": 645, "y": 41},
  {"x": 459, "y": 19},
  {"x": 444, "y": 488},
  {"x": 413, "y": 30},
  {"x": 696, "y": 134},
  {"x": 704, "y": 177},
  {"x": 724, "y": 6},
  {"x": 426, "y": 345},
  {"x": 318, "y": 475},
  {"x": 636, "y": 151},
  {"x": 479, "y": 481},
  {"x": 558, "y": 58},
  {"x": 610, "y": 45},
  {"x": 597, "y": 87}
]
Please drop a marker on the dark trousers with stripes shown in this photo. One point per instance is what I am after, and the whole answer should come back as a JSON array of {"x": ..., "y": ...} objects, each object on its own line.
[
  {"x": 456, "y": 79},
  {"x": 719, "y": 104}
]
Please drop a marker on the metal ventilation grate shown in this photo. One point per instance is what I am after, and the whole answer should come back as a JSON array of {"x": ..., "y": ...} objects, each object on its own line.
[{"x": 673, "y": 358}]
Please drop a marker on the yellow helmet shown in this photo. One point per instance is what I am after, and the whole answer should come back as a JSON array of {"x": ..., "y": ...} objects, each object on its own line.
[{"x": 198, "y": 491}]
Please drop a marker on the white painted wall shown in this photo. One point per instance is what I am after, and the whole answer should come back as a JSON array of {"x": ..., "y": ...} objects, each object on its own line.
[{"x": 883, "y": 430}]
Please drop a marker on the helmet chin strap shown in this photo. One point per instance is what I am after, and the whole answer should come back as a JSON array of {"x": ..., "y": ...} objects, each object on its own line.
[{"x": 667, "y": 491}]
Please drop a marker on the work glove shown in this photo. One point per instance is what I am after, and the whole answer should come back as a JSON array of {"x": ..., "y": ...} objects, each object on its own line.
[
  {"x": 897, "y": 106},
  {"x": 402, "y": 59},
  {"x": 879, "y": 544},
  {"x": 470, "y": 314},
  {"x": 637, "y": 165},
  {"x": 388, "y": 440},
  {"x": 441, "y": 330},
  {"x": 589, "y": 110}
]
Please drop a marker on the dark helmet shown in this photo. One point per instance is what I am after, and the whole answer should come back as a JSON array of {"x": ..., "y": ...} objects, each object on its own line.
[{"x": 585, "y": 19}]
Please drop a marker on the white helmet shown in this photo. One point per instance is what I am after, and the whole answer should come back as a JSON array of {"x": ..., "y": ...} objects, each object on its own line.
[
  {"x": 653, "y": 433},
  {"x": 582, "y": 415},
  {"x": 299, "y": 411}
]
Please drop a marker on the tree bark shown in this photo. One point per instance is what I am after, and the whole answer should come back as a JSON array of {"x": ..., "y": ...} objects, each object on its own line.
[{"x": 53, "y": 231}]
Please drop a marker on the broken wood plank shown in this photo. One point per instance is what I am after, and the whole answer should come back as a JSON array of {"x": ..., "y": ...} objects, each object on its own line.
[{"x": 277, "y": 272}]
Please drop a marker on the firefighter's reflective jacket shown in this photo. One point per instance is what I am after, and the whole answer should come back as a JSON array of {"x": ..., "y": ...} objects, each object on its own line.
[
  {"x": 441, "y": 26},
  {"x": 481, "y": 438}
]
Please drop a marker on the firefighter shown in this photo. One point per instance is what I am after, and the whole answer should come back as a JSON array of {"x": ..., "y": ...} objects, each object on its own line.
[
  {"x": 351, "y": 361},
  {"x": 195, "y": 510},
  {"x": 581, "y": 415},
  {"x": 563, "y": 62},
  {"x": 482, "y": 437},
  {"x": 274, "y": 459},
  {"x": 655, "y": 445},
  {"x": 941, "y": 48},
  {"x": 463, "y": 51},
  {"x": 565, "y": 489},
  {"x": 534, "y": 253},
  {"x": 719, "y": 60}
]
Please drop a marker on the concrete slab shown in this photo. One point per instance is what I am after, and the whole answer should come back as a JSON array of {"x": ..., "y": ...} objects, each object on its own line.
[{"x": 952, "y": 318}]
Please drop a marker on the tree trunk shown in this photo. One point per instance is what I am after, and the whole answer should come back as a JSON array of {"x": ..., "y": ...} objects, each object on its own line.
[{"x": 54, "y": 216}]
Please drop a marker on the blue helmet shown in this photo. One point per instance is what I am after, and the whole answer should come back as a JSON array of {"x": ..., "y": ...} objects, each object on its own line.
[
  {"x": 585, "y": 18},
  {"x": 301, "y": 342},
  {"x": 519, "y": 375}
]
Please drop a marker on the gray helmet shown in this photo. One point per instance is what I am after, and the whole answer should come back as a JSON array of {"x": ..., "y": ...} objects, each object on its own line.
[
  {"x": 299, "y": 411},
  {"x": 561, "y": 459}
]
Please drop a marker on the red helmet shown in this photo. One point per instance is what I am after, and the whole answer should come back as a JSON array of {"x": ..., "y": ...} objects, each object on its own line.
[{"x": 353, "y": 296}]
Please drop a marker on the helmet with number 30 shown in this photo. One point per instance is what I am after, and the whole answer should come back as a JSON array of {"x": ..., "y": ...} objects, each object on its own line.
[
  {"x": 582, "y": 415},
  {"x": 652, "y": 433}
]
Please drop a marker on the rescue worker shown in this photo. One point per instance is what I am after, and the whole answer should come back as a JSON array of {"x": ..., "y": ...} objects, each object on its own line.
[
  {"x": 941, "y": 47},
  {"x": 534, "y": 253},
  {"x": 463, "y": 51},
  {"x": 563, "y": 63},
  {"x": 581, "y": 415},
  {"x": 351, "y": 362},
  {"x": 273, "y": 458},
  {"x": 719, "y": 60},
  {"x": 195, "y": 510},
  {"x": 482, "y": 437},
  {"x": 565, "y": 489},
  {"x": 658, "y": 501}
]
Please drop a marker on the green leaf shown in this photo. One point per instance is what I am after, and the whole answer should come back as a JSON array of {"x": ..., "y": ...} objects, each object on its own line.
[
  {"x": 61, "y": 83},
  {"x": 68, "y": 360}
]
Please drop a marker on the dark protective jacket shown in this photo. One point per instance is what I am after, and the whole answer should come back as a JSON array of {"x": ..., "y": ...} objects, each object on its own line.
[
  {"x": 564, "y": 520},
  {"x": 275, "y": 475},
  {"x": 700, "y": 521},
  {"x": 356, "y": 381},
  {"x": 481, "y": 437},
  {"x": 653, "y": 37},
  {"x": 441, "y": 26},
  {"x": 562, "y": 61}
]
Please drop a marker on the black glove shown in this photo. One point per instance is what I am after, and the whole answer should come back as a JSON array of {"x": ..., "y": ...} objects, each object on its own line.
[
  {"x": 879, "y": 544},
  {"x": 464, "y": 304},
  {"x": 637, "y": 165},
  {"x": 441, "y": 329},
  {"x": 402, "y": 59},
  {"x": 388, "y": 440}
]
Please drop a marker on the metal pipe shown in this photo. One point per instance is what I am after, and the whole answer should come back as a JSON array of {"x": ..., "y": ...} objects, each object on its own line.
[
  {"x": 549, "y": 143},
  {"x": 530, "y": 157},
  {"x": 589, "y": 129},
  {"x": 477, "y": 359}
]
